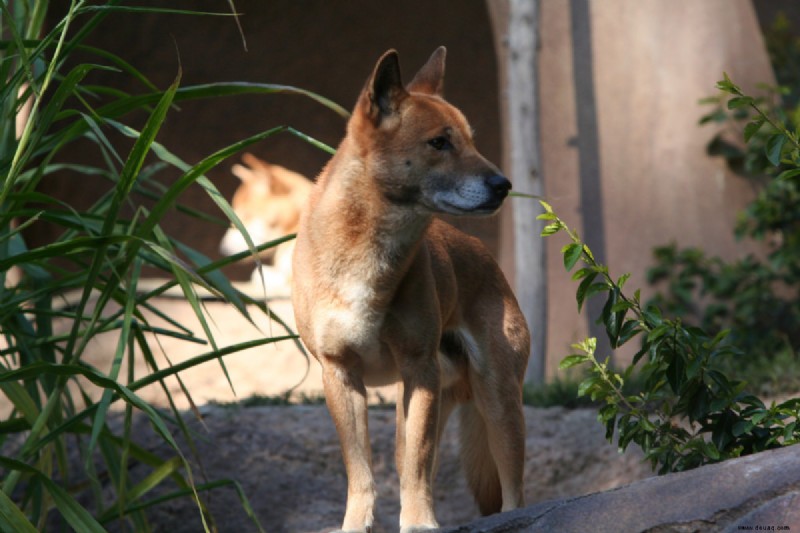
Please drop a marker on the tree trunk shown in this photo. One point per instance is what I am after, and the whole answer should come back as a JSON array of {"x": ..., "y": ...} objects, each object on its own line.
[{"x": 522, "y": 251}]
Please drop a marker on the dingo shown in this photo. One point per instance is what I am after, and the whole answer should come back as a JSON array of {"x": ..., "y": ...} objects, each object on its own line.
[
  {"x": 268, "y": 202},
  {"x": 384, "y": 292}
]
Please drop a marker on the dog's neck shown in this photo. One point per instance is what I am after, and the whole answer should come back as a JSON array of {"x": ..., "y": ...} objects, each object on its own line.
[{"x": 369, "y": 237}]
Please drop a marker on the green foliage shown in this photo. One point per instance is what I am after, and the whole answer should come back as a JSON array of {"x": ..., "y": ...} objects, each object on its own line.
[
  {"x": 754, "y": 297},
  {"x": 688, "y": 412},
  {"x": 691, "y": 410},
  {"x": 559, "y": 392},
  {"x": 57, "y": 400},
  {"x": 783, "y": 47}
]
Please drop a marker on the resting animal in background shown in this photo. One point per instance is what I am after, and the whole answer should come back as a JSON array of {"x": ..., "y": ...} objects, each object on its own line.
[
  {"x": 384, "y": 292},
  {"x": 268, "y": 202}
]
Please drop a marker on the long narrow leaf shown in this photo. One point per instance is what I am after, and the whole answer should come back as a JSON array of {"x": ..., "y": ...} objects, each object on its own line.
[
  {"x": 122, "y": 343},
  {"x": 155, "y": 377},
  {"x": 11, "y": 518},
  {"x": 128, "y": 176},
  {"x": 75, "y": 515}
]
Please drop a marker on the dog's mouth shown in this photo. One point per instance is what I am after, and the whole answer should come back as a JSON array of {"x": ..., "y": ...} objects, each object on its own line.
[
  {"x": 481, "y": 196},
  {"x": 457, "y": 208}
]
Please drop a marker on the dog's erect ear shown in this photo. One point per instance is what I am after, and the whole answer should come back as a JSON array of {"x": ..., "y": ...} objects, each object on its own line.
[
  {"x": 385, "y": 88},
  {"x": 430, "y": 78}
]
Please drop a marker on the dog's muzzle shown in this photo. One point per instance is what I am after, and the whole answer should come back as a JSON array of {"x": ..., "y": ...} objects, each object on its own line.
[
  {"x": 499, "y": 185},
  {"x": 476, "y": 195}
]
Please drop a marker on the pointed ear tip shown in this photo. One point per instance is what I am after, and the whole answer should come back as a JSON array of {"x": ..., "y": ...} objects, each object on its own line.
[
  {"x": 439, "y": 54},
  {"x": 390, "y": 54}
]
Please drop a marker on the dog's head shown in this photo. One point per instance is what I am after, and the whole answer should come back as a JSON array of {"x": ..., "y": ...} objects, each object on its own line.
[{"x": 418, "y": 147}]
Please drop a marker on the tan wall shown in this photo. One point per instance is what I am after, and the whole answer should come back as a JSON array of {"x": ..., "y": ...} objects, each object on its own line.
[{"x": 652, "y": 62}]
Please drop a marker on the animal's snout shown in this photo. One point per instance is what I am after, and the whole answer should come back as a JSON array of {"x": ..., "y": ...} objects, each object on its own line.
[{"x": 499, "y": 185}]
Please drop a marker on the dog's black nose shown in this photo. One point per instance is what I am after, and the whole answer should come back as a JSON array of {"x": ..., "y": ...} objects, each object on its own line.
[{"x": 499, "y": 184}]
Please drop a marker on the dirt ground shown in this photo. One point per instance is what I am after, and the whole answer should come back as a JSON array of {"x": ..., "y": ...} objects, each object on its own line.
[
  {"x": 288, "y": 463},
  {"x": 287, "y": 459}
]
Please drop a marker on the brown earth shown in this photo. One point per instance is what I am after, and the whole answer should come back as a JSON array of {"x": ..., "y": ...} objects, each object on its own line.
[
  {"x": 287, "y": 459},
  {"x": 288, "y": 463}
]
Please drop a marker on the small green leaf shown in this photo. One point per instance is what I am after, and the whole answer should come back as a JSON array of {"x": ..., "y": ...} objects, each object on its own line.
[
  {"x": 580, "y": 295},
  {"x": 774, "y": 148},
  {"x": 587, "y": 385},
  {"x": 739, "y": 101},
  {"x": 586, "y": 290},
  {"x": 629, "y": 329},
  {"x": 611, "y": 319},
  {"x": 721, "y": 336},
  {"x": 583, "y": 272},
  {"x": 546, "y": 206},
  {"x": 728, "y": 86},
  {"x": 712, "y": 451},
  {"x": 572, "y": 360},
  {"x": 658, "y": 332},
  {"x": 708, "y": 100},
  {"x": 752, "y": 128},
  {"x": 621, "y": 305},
  {"x": 741, "y": 427},
  {"x": 787, "y": 174},
  {"x": 676, "y": 373},
  {"x": 646, "y": 425},
  {"x": 551, "y": 229},
  {"x": 606, "y": 413},
  {"x": 587, "y": 346},
  {"x": 572, "y": 253}
]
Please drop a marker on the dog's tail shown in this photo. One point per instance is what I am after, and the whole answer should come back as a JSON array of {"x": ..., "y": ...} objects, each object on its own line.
[{"x": 477, "y": 460}]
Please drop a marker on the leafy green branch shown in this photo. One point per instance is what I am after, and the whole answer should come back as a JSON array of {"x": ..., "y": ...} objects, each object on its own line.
[
  {"x": 689, "y": 413},
  {"x": 778, "y": 139}
]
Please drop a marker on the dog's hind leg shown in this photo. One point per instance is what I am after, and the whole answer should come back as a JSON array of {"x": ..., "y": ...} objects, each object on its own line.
[
  {"x": 477, "y": 461},
  {"x": 493, "y": 423},
  {"x": 493, "y": 447},
  {"x": 346, "y": 398}
]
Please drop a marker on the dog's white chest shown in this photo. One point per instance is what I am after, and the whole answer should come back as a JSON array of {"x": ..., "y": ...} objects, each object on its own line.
[{"x": 351, "y": 327}]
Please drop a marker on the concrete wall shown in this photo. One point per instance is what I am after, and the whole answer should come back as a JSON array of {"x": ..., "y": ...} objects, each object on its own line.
[{"x": 652, "y": 61}]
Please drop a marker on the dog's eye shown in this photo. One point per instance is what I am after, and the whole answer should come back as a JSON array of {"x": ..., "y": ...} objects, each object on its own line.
[{"x": 440, "y": 143}]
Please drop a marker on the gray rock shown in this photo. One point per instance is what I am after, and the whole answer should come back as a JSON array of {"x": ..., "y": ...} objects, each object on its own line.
[{"x": 756, "y": 493}]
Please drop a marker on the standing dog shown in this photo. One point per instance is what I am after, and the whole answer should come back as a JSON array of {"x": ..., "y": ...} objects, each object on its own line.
[
  {"x": 384, "y": 292},
  {"x": 268, "y": 202}
]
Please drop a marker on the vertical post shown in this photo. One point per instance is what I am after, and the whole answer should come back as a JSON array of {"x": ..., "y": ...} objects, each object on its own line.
[
  {"x": 515, "y": 28},
  {"x": 588, "y": 145}
]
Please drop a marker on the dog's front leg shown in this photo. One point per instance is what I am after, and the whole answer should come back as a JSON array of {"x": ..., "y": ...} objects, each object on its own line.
[
  {"x": 420, "y": 407},
  {"x": 346, "y": 397}
]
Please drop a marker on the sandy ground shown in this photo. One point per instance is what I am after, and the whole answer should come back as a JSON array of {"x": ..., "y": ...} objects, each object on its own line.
[
  {"x": 266, "y": 370},
  {"x": 287, "y": 459},
  {"x": 288, "y": 463}
]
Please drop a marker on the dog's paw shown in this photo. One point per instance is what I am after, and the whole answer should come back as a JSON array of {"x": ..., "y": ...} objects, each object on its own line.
[{"x": 419, "y": 528}]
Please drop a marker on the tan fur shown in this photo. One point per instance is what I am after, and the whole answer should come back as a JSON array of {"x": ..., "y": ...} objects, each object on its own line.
[
  {"x": 384, "y": 292},
  {"x": 268, "y": 202}
]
